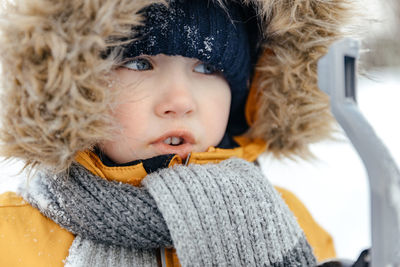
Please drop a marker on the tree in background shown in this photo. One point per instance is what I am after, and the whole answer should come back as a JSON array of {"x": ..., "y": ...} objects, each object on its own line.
[{"x": 383, "y": 43}]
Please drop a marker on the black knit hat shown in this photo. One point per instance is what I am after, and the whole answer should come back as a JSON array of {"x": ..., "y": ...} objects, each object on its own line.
[{"x": 205, "y": 31}]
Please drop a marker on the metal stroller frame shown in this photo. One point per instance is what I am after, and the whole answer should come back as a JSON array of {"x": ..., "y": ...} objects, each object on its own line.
[{"x": 337, "y": 78}]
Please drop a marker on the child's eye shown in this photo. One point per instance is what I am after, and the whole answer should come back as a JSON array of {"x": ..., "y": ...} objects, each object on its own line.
[
  {"x": 139, "y": 64},
  {"x": 205, "y": 68}
]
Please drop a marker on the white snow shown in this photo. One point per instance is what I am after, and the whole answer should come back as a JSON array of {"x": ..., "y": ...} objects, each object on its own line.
[
  {"x": 334, "y": 187},
  {"x": 10, "y": 175},
  {"x": 208, "y": 43}
]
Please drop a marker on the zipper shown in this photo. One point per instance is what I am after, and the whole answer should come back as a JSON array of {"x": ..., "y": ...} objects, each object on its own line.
[
  {"x": 188, "y": 158},
  {"x": 163, "y": 260}
]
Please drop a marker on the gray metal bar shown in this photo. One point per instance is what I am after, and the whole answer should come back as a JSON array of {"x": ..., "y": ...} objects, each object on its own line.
[{"x": 335, "y": 72}]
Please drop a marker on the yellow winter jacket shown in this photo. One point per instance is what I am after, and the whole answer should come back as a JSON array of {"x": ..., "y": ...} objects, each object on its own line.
[{"x": 27, "y": 238}]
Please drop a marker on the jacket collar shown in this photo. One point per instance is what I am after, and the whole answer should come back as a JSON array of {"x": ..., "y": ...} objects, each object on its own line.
[{"x": 249, "y": 149}]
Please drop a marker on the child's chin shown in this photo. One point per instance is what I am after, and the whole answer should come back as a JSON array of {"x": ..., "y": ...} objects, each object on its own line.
[{"x": 182, "y": 150}]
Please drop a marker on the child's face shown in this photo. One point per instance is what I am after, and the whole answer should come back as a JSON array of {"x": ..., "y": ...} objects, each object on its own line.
[{"x": 167, "y": 105}]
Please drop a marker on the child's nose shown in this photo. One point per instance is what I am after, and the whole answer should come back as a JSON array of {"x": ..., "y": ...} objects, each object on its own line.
[{"x": 177, "y": 100}]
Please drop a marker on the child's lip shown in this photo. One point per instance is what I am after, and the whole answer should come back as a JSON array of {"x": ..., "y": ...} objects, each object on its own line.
[
  {"x": 187, "y": 137},
  {"x": 182, "y": 150}
]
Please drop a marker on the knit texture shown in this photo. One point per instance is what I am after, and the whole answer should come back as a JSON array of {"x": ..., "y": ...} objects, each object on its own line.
[
  {"x": 84, "y": 253},
  {"x": 105, "y": 211},
  {"x": 224, "y": 214},
  {"x": 228, "y": 214}
]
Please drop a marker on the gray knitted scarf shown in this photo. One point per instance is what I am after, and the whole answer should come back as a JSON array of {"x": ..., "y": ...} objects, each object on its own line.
[{"x": 224, "y": 214}]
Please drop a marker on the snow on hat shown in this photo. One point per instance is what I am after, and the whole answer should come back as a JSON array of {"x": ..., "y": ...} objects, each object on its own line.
[{"x": 205, "y": 31}]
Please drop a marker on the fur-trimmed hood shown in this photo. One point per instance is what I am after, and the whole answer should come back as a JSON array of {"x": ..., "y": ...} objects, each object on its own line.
[{"x": 55, "y": 85}]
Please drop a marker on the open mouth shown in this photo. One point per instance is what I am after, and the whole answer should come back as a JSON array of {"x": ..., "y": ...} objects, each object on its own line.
[
  {"x": 176, "y": 138},
  {"x": 174, "y": 141}
]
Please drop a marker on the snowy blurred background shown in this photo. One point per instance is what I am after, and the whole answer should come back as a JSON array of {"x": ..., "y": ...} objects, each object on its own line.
[{"x": 334, "y": 186}]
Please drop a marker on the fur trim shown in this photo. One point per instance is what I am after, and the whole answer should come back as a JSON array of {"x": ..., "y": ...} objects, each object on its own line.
[
  {"x": 55, "y": 88},
  {"x": 291, "y": 110},
  {"x": 55, "y": 94}
]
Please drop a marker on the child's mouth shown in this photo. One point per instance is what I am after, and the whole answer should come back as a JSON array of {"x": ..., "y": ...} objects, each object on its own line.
[{"x": 175, "y": 142}]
